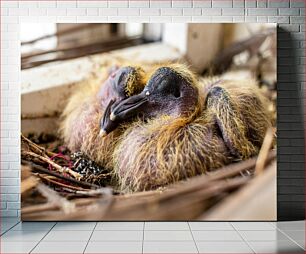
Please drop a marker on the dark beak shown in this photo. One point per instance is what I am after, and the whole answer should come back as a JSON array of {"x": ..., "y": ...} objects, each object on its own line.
[
  {"x": 107, "y": 125},
  {"x": 129, "y": 107}
]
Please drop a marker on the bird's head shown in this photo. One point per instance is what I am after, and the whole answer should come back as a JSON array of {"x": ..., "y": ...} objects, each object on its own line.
[
  {"x": 122, "y": 83},
  {"x": 171, "y": 90}
]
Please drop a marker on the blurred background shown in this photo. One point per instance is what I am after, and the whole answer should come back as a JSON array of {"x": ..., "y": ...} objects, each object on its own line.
[
  {"x": 199, "y": 43},
  {"x": 45, "y": 43}
]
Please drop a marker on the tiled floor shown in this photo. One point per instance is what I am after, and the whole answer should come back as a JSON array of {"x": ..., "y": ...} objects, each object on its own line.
[{"x": 152, "y": 237}]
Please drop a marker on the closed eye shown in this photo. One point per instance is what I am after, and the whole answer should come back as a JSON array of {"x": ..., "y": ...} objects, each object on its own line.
[
  {"x": 163, "y": 85},
  {"x": 177, "y": 93},
  {"x": 121, "y": 78}
]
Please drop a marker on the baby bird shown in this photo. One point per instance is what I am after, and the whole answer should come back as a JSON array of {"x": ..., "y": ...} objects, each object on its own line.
[
  {"x": 185, "y": 128},
  {"x": 80, "y": 126}
]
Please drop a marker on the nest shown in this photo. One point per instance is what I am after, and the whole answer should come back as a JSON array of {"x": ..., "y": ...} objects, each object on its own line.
[{"x": 54, "y": 190}]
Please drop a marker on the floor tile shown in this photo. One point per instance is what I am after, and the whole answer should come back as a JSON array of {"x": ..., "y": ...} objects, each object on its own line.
[
  {"x": 22, "y": 236},
  {"x": 221, "y": 226},
  {"x": 3, "y": 230},
  {"x": 295, "y": 234},
  {"x": 101, "y": 236},
  {"x": 273, "y": 223},
  {"x": 17, "y": 247},
  {"x": 223, "y": 247},
  {"x": 69, "y": 236},
  {"x": 60, "y": 247},
  {"x": 7, "y": 225},
  {"x": 276, "y": 247},
  {"x": 263, "y": 235},
  {"x": 119, "y": 226},
  {"x": 216, "y": 236},
  {"x": 252, "y": 226},
  {"x": 169, "y": 247},
  {"x": 33, "y": 226},
  {"x": 301, "y": 243},
  {"x": 9, "y": 219},
  {"x": 63, "y": 226},
  {"x": 167, "y": 236},
  {"x": 291, "y": 225},
  {"x": 114, "y": 247},
  {"x": 166, "y": 226}
]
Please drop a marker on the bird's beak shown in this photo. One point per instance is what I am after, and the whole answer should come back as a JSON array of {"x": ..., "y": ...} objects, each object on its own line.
[
  {"x": 106, "y": 125},
  {"x": 112, "y": 116},
  {"x": 102, "y": 133},
  {"x": 129, "y": 107}
]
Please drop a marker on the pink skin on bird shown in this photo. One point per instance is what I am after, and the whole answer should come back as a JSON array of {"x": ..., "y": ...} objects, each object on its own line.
[{"x": 107, "y": 91}]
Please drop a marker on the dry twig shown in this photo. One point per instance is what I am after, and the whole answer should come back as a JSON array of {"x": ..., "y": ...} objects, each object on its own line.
[
  {"x": 60, "y": 169},
  {"x": 60, "y": 176}
]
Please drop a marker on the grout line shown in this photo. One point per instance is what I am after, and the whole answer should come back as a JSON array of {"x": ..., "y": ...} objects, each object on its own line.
[
  {"x": 42, "y": 238},
  {"x": 10, "y": 228},
  {"x": 143, "y": 232},
  {"x": 233, "y": 227},
  {"x": 273, "y": 225},
  {"x": 290, "y": 238},
  {"x": 244, "y": 240},
  {"x": 193, "y": 238},
  {"x": 90, "y": 237},
  {"x": 259, "y": 229},
  {"x": 121, "y": 230},
  {"x": 231, "y": 223}
]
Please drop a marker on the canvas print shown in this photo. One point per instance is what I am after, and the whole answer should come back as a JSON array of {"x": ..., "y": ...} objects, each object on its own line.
[{"x": 153, "y": 122}]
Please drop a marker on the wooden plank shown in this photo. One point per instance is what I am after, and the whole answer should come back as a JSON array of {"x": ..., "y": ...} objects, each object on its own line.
[
  {"x": 255, "y": 201},
  {"x": 203, "y": 43}
]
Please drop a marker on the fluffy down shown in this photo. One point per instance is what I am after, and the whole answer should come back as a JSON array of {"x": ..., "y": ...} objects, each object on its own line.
[
  {"x": 230, "y": 125},
  {"x": 166, "y": 150}
]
